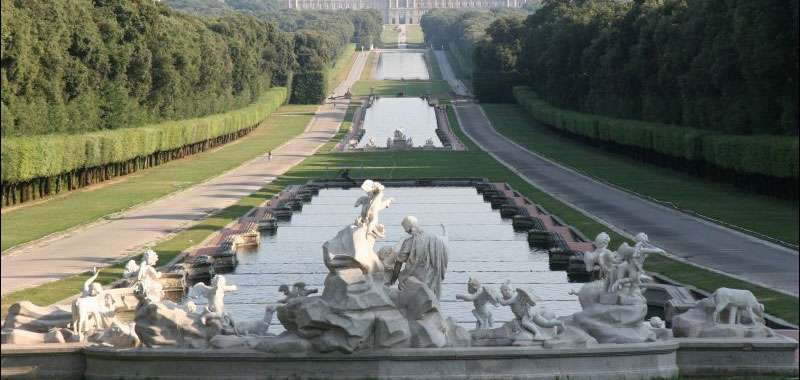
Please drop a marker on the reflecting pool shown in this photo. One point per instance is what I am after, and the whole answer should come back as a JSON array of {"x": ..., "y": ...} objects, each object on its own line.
[
  {"x": 481, "y": 244},
  {"x": 413, "y": 116},
  {"x": 401, "y": 65}
]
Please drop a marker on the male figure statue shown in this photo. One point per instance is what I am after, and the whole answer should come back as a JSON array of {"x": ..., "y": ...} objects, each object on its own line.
[{"x": 421, "y": 255}]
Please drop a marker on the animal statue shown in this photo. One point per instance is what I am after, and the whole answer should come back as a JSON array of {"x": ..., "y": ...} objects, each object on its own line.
[
  {"x": 118, "y": 335},
  {"x": 256, "y": 328},
  {"x": 297, "y": 290},
  {"x": 215, "y": 294},
  {"x": 733, "y": 300},
  {"x": 480, "y": 296},
  {"x": 93, "y": 310}
]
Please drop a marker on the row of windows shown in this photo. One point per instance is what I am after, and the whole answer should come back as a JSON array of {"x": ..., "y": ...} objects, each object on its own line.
[{"x": 426, "y": 4}]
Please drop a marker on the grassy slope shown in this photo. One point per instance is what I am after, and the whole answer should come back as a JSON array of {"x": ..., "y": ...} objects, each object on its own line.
[
  {"x": 86, "y": 205},
  {"x": 392, "y": 87},
  {"x": 389, "y": 35},
  {"x": 338, "y": 72},
  {"x": 434, "y": 71},
  {"x": 414, "y": 34},
  {"x": 369, "y": 66},
  {"x": 769, "y": 216}
]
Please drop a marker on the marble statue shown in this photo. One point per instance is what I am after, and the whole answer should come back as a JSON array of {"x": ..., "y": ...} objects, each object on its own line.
[
  {"x": 602, "y": 259},
  {"x": 297, "y": 290},
  {"x": 214, "y": 294},
  {"x": 614, "y": 308},
  {"x": 429, "y": 144},
  {"x": 93, "y": 310},
  {"x": 146, "y": 275},
  {"x": 727, "y": 313},
  {"x": 480, "y": 296},
  {"x": 421, "y": 255},
  {"x": 534, "y": 322},
  {"x": 630, "y": 272},
  {"x": 353, "y": 246}
]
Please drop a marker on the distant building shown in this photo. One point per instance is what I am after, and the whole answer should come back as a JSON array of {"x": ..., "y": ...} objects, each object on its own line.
[{"x": 403, "y": 11}]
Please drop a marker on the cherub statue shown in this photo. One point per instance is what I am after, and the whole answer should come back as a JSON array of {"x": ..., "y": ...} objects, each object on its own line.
[
  {"x": 604, "y": 259},
  {"x": 146, "y": 275},
  {"x": 480, "y": 296},
  {"x": 215, "y": 294},
  {"x": 371, "y": 204},
  {"x": 94, "y": 309},
  {"x": 297, "y": 290},
  {"x": 521, "y": 302},
  {"x": 630, "y": 272}
]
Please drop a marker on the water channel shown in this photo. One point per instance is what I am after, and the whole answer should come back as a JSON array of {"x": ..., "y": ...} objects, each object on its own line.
[
  {"x": 481, "y": 244},
  {"x": 413, "y": 116}
]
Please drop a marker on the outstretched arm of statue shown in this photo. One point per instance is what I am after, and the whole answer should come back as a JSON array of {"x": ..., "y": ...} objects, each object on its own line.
[
  {"x": 87, "y": 285},
  {"x": 467, "y": 297}
]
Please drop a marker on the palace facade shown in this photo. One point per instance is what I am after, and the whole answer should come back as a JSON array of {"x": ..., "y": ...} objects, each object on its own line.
[{"x": 403, "y": 11}]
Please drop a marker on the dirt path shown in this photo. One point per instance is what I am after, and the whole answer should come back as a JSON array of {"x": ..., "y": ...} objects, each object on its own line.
[{"x": 101, "y": 243}]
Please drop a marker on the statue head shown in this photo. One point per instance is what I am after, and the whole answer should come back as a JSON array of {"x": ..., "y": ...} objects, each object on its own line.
[
  {"x": 410, "y": 224},
  {"x": 218, "y": 281},
  {"x": 95, "y": 289},
  {"x": 641, "y": 237},
  {"x": 299, "y": 286},
  {"x": 473, "y": 285},
  {"x": 284, "y": 289},
  {"x": 602, "y": 240},
  {"x": 505, "y": 289},
  {"x": 371, "y": 187},
  {"x": 150, "y": 257}
]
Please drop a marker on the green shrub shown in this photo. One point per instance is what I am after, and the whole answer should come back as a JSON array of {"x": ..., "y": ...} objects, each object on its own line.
[
  {"x": 309, "y": 87},
  {"x": 768, "y": 155},
  {"x": 26, "y": 158}
]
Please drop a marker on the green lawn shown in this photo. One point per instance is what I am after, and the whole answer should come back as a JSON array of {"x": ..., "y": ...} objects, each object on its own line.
[
  {"x": 392, "y": 87},
  {"x": 434, "y": 71},
  {"x": 389, "y": 34},
  {"x": 766, "y": 215},
  {"x": 83, "y": 206},
  {"x": 414, "y": 34},
  {"x": 338, "y": 72}
]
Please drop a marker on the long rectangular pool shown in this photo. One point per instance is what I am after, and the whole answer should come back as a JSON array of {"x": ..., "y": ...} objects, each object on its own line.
[
  {"x": 402, "y": 65},
  {"x": 481, "y": 245},
  {"x": 412, "y": 116}
]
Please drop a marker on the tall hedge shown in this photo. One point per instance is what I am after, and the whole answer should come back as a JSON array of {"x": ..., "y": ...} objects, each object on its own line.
[
  {"x": 309, "y": 87},
  {"x": 32, "y": 160},
  {"x": 762, "y": 156}
]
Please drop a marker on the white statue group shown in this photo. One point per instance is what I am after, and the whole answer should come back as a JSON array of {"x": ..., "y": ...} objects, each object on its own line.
[{"x": 360, "y": 307}]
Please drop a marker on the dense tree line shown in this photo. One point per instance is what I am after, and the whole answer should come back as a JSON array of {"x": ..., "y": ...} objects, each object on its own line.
[
  {"x": 78, "y": 65},
  {"x": 730, "y": 66}
]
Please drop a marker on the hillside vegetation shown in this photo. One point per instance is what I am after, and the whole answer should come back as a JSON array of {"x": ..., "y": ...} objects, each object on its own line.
[{"x": 723, "y": 71}]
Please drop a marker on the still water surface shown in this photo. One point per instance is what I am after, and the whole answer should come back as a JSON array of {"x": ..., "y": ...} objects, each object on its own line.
[
  {"x": 413, "y": 116},
  {"x": 481, "y": 244},
  {"x": 397, "y": 65}
]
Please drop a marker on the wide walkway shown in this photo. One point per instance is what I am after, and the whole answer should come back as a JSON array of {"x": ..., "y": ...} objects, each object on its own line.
[
  {"x": 694, "y": 239},
  {"x": 102, "y": 243}
]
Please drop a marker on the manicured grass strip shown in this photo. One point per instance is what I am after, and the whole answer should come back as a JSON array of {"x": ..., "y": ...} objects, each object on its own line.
[
  {"x": 338, "y": 72},
  {"x": 434, "y": 71},
  {"x": 369, "y": 67},
  {"x": 410, "y": 87},
  {"x": 414, "y": 34},
  {"x": 287, "y": 118},
  {"x": 389, "y": 34},
  {"x": 770, "y": 216},
  {"x": 86, "y": 205}
]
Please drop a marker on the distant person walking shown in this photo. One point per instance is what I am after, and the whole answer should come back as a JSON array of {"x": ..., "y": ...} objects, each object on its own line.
[{"x": 269, "y": 156}]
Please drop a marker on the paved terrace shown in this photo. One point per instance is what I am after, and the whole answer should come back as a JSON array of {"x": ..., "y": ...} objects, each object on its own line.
[{"x": 104, "y": 242}]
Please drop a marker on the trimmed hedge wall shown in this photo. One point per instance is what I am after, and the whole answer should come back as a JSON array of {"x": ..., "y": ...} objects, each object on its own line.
[
  {"x": 765, "y": 156},
  {"x": 37, "y": 166},
  {"x": 309, "y": 87}
]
